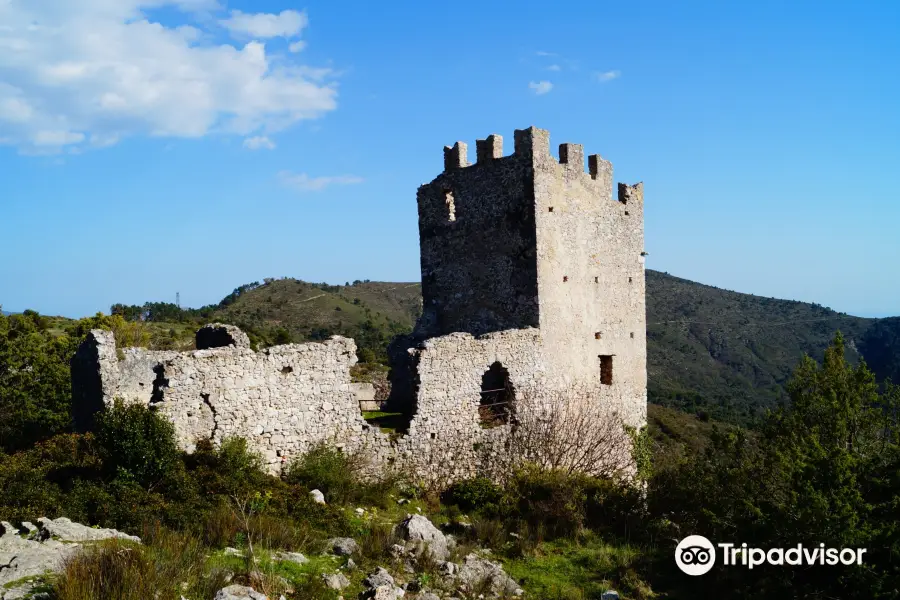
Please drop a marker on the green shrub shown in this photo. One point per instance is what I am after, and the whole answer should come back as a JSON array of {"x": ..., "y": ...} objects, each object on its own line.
[
  {"x": 327, "y": 469},
  {"x": 549, "y": 501},
  {"x": 479, "y": 494},
  {"x": 137, "y": 444}
]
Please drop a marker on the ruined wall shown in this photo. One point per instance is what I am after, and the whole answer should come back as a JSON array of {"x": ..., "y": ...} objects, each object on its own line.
[{"x": 282, "y": 399}]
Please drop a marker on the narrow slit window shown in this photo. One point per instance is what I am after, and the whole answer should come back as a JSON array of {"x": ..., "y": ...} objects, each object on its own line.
[
  {"x": 606, "y": 369},
  {"x": 450, "y": 202}
]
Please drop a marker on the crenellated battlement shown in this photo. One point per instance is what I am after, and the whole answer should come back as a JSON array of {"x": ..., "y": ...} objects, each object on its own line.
[{"x": 532, "y": 145}]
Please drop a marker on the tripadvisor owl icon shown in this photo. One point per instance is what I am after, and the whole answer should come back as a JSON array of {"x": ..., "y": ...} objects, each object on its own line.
[{"x": 695, "y": 555}]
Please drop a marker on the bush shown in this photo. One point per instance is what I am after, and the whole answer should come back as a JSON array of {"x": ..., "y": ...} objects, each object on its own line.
[
  {"x": 326, "y": 469},
  {"x": 479, "y": 494},
  {"x": 137, "y": 444}
]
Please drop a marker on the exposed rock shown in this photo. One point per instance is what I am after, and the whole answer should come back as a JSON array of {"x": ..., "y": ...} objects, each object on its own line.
[
  {"x": 382, "y": 592},
  {"x": 476, "y": 571},
  {"x": 350, "y": 564},
  {"x": 360, "y": 511},
  {"x": 448, "y": 568},
  {"x": 32, "y": 532},
  {"x": 239, "y": 592},
  {"x": 65, "y": 530},
  {"x": 233, "y": 552},
  {"x": 397, "y": 550},
  {"x": 610, "y": 595},
  {"x": 378, "y": 578},
  {"x": 335, "y": 581},
  {"x": 317, "y": 496},
  {"x": 421, "y": 534},
  {"x": 52, "y": 544},
  {"x": 426, "y": 596},
  {"x": 21, "y": 592},
  {"x": 295, "y": 557},
  {"x": 343, "y": 546}
]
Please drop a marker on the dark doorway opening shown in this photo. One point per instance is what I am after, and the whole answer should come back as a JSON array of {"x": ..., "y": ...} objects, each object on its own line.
[{"x": 497, "y": 396}]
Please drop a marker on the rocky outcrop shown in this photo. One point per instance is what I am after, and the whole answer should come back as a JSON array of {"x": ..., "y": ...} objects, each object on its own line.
[
  {"x": 32, "y": 551},
  {"x": 421, "y": 535}
]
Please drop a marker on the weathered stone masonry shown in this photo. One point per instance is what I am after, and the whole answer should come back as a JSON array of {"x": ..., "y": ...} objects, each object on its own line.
[{"x": 530, "y": 269}]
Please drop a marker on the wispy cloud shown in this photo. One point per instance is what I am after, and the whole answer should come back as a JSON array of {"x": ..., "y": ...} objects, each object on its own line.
[
  {"x": 302, "y": 182},
  {"x": 554, "y": 68},
  {"x": 260, "y": 142},
  {"x": 541, "y": 87},
  {"x": 288, "y": 23},
  {"x": 542, "y": 53},
  {"x": 606, "y": 76}
]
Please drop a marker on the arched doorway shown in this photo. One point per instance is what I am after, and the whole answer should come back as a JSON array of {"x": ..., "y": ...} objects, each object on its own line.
[{"x": 497, "y": 396}]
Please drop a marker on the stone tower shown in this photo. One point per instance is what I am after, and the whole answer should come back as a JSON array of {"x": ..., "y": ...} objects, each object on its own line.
[{"x": 528, "y": 241}]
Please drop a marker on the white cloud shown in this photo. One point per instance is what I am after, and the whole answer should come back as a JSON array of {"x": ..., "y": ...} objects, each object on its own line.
[
  {"x": 297, "y": 46},
  {"x": 604, "y": 76},
  {"x": 75, "y": 75},
  {"x": 304, "y": 183},
  {"x": 264, "y": 25},
  {"x": 554, "y": 68},
  {"x": 542, "y": 53},
  {"x": 260, "y": 142},
  {"x": 540, "y": 87}
]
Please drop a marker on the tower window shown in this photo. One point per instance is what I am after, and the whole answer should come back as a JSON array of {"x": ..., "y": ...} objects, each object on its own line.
[
  {"x": 450, "y": 204},
  {"x": 606, "y": 369},
  {"x": 550, "y": 209},
  {"x": 597, "y": 335},
  {"x": 565, "y": 277}
]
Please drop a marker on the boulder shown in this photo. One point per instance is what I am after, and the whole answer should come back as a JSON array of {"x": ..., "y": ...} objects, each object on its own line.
[
  {"x": 335, "y": 581},
  {"x": 239, "y": 592},
  {"x": 317, "y": 496},
  {"x": 382, "y": 592},
  {"x": 294, "y": 557},
  {"x": 610, "y": 595},
  {"x": 476, "y": 572},
  {"x": 343, "y": 546},
  {"x": 378, "y": 578},
  {"x": 421, "y": 535}
]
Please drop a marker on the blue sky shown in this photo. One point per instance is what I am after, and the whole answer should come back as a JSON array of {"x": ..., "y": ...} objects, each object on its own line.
[{"x": 149, "y": 147}]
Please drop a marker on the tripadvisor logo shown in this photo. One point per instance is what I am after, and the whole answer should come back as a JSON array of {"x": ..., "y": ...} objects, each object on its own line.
[{"x": 696, "y": 555}]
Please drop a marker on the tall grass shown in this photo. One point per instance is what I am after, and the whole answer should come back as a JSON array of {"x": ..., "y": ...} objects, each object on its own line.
[{"x": 167, "y": 566}]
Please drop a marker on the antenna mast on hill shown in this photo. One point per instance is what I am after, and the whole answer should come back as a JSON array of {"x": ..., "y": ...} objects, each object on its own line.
[{"x": 178, "y": 299}]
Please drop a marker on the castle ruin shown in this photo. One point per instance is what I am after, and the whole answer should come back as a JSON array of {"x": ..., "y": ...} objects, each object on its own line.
[{"x": 533, "y": 292}]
